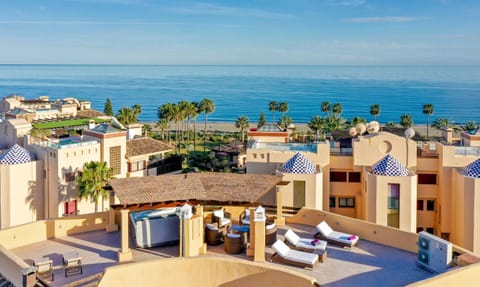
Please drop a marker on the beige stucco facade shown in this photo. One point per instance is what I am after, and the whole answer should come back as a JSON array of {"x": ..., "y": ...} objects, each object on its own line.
[
  {"x": 21, "y": 198},
  {"x": 12, "y": 131},
  {"x": 433, "y": 194}
]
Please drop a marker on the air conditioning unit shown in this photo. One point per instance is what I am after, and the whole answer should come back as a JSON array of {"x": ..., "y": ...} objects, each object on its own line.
[{"x": 434, "y": 253}]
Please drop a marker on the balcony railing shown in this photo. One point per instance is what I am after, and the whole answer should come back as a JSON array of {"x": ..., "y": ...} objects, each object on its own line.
[
  {"x": 467, "y": 151},
  {"x": 341, "y": 151}
]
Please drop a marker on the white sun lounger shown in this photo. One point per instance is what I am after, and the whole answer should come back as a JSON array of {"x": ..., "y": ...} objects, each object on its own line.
[
  {"x": 284, "y": 254},
  {"x": 339, "y": 238}
]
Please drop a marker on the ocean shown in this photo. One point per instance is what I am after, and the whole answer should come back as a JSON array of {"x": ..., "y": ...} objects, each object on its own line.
[{"x": 454, "y": 91}]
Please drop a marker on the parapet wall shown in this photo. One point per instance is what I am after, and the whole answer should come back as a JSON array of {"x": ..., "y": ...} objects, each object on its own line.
[
  {"x": 202, "y": 271},
  {"x": 14, "y": 268},
  {"x": 365, "y": 230}
]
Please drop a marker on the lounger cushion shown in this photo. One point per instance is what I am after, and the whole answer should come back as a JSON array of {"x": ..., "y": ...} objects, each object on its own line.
[
  {"x": 219, "y": 213},
  {"x": 293, "y": 255},
  {"x": 281, "y": 248},
  {"x": 305, "y": 243},
  {"x": 324, "y": 228},
  {"x": 292, "y": 237},
  {"x": 328, "y": 232}
]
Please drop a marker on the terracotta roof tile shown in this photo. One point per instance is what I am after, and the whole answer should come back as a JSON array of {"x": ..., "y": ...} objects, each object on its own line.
[
  {"x": 146, "y": 145},
  {"x": 207, "y": 186}
]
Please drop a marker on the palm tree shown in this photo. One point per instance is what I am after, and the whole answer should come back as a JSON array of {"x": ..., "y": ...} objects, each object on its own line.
[
  {"x": 95, "y": 176},
  {"x": 391, "y": 124},
  {"x": 283, "y": 108},
  {"x": 177, "y": 117},
  {"x": 406, "y": 120},
  {"x": 428, "y": 110},
  {"x": 325, "y": 107},
  {"x": 316, "y": 125},
  {"x": 125, "y": 115},
  {"x": 195, "y": 111},
  {"x": 284, "y": 122},
  {"x": 444, "y": 123},
  {"x": 162, "y": 125},
  {"x": 242, "y": 124},
  {"x": 333, "y": 123},
  {"x": 337, "y": 110},
  {"x": 136, "y": 110},
  {"x": 207, "y": 106},
  {"x": 183, "y": 107},
  {"x": 166, "y": 112},
  {"x": 357, "y": 120},
  {"x": 470, "y": 126},
  {"x": 273, "y": 107},
  {"x": 375, "y": 111},
  {"x": 261, "y": 120}
]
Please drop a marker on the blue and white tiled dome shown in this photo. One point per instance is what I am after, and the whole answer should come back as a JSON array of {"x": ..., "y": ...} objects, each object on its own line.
[
  {"x": 16, "y": 155},
  {"x": 389, "y": 166},
  {"x": 473, "y": 169},
  {"x": 299, "y": 164}
]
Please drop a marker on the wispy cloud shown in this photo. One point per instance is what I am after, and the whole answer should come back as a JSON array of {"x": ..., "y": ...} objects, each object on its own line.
[
  {"x": 219, "y": 10},
  {"x": 345, "y": 2},
  {"x": 384, "y": 19},
  {"x": 121, "y": 2},
  {"x": 112, "y": 23}
]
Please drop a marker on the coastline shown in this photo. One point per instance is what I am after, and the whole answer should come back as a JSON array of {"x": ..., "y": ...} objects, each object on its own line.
[{"x": 300, "y": 127}]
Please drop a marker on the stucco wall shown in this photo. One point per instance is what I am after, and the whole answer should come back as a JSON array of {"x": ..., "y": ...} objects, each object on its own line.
[
  {"x": 21, "y": 199},
  {"x": 466, "y": 277},
  {"x": 202, "y": 271}
]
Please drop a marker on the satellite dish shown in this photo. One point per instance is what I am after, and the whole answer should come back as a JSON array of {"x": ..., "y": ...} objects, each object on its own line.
[
  {"x": 373, "y": 127},
  {"x": 409, "y": 133},
  {"x": 361, "y": 128},
  {"x": 352, "y": 131}
]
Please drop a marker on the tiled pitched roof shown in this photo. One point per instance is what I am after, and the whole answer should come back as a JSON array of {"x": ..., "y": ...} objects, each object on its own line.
[
  {"x": 389, "y": 166},
  {"x": 146, "y": 145},
  {"x": 106, "y": 129},
  {"x": 299, "y": 164},
  {"x": 16, "y": 155},
  {"x": 473, "y": 169},
  {"x": 206, "y": 186}
]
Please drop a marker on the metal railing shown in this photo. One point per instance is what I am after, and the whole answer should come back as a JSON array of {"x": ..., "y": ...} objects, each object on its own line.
[
  {"x": 467, "y": 151},
  {"x": 342, "y": 151}
]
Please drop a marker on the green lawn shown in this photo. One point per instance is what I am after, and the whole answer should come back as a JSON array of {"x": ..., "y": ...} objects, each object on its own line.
[{"x": 67, "y": 123}]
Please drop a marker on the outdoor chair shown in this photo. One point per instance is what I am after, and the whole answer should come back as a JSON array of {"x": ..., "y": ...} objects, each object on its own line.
[
  {"x": 284, "y": 254},
  {"x": 44, "y": 268},
  {"x": 245, "y": 217},
  {"x": 234, "y": 243},
  {"x": 72, "y": 263},
  {"x": 270, "y": 233},
  {"x": 221, "y": 218},
  {"x": 305, "y": 244},
  {"x": 327, "y": 233},
  {"x": 213, "y": 235}
]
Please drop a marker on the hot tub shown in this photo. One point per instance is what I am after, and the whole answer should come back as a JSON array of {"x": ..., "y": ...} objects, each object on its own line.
[{"x": 156, "y": 227}]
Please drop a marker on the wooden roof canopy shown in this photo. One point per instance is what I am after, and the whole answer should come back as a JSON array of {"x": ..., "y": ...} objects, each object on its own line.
[{"x": 200, "y": 187}]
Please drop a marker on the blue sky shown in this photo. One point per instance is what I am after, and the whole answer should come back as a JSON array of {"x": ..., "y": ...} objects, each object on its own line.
[{"x": 312, "y": 32}]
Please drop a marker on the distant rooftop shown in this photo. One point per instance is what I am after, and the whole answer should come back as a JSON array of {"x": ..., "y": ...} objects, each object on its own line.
[
  {"x": 308, "y": 147},
  {"x": 146, "y": 145}
]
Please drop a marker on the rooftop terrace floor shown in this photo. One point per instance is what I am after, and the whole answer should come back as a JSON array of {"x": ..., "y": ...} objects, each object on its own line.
[{"x": 367, "y": 264}]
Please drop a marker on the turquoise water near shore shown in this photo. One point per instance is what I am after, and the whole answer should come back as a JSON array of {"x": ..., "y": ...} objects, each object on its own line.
[{"x": 246, "y": 90}]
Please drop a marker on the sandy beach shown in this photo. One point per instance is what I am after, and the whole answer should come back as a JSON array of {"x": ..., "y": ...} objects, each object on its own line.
[{"x": 301, "y": 127}]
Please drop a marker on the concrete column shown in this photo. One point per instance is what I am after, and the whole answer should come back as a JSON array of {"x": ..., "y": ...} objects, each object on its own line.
[
  {"x": 259, "y": 250},
  {"x": 111, "y": 226},
  {"x": 125, "y": 254},
  {"x": 280, "y": 221},
  {"x": 251, "y": 244}
]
